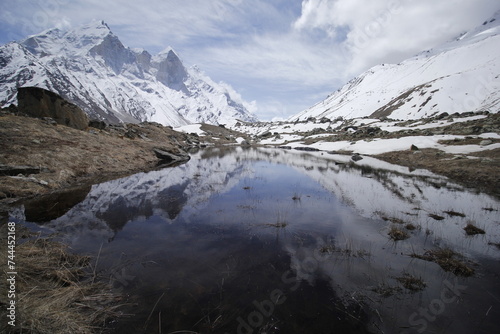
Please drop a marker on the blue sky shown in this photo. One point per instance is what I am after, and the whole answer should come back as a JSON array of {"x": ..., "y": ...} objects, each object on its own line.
[{"x": 281, "y": 56}]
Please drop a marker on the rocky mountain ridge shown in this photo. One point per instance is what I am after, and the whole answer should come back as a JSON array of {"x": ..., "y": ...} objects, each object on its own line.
[{"x": 90, "y": 67}]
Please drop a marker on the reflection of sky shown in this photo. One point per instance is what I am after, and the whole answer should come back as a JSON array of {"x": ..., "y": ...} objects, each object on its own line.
[{"x": 191, "y": 227}]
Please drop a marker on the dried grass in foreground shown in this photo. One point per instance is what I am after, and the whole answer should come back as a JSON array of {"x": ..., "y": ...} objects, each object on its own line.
[
  {"x": 448, "y": 260},
  {"x": 55, "y": 292}
]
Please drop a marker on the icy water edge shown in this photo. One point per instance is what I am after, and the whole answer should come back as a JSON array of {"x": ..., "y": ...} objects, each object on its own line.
[{"x": 277, "y": 241}]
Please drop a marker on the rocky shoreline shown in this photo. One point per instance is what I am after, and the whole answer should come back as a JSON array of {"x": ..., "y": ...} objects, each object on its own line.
[{"x": 39, "y": 156}]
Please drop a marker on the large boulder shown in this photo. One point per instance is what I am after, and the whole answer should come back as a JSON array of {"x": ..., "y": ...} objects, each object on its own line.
[
  {"x": 38, "y": 102},
  {"x": 171, "y": 156}
]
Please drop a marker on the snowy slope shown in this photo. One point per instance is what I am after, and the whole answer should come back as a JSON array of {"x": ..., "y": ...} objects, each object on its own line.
[
  {"x": 461, "y": 75},
  {"x": 92, "y": 68}
]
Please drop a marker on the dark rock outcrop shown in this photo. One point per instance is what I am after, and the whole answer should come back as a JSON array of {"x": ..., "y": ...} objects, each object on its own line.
[
  {"x": 38, "y": 102},
  {"x": 305, "y": 148},
  {"x": 356, "y": 157},
  {"x": 98, "y": 124},
  {"x": 170, "y": 157},
  {"x": 16, "y": 170}
]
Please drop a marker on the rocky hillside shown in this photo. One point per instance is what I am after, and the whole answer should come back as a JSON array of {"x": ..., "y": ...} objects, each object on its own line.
[
  {"x": 41, "y": 154},
  {"x": 90, "y": 67},
  {"x": 459, "y": 76},
  {"x": 464, "y": 147}
]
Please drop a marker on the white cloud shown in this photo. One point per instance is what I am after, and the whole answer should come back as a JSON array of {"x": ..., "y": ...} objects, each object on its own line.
[
  {"x": 390, "y": 30},
  {"x": 284, "y": 54}
]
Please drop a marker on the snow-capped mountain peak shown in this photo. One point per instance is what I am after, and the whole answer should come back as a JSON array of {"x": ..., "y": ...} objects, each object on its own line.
[
  {"x": 458, "y": 76},
  {"x": 90, "y": 67}
]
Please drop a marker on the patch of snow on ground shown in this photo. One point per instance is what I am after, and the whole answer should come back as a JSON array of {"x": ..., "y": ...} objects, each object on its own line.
[
  {"x": 191, "y": 128},
  {"x": 379, "y": 146}
]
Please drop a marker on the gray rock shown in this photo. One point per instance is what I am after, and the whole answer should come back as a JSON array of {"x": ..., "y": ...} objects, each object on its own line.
[
  {"x": 356, "y": 157},
  {"x": 98, "y": 124},
  {"x": 308, "y": 149},
  {"x": 486, "y": 142},
  {"x": 166, "y": 156}
]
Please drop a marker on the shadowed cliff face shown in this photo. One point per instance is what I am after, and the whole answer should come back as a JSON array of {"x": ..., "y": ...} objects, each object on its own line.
[
  {"x": 171, "y": 72},
  {"x": 114, "y": 53}
]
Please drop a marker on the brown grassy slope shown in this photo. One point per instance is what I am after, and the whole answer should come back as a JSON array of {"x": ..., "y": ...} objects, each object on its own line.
[
  {"x": 479, "y": 170},
  {"x": 73, "y": 156},
  {"x": 55, "y": 290}
]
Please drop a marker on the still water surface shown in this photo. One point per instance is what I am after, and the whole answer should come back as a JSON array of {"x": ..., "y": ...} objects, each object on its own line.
[{"x": 275, "y": 241}]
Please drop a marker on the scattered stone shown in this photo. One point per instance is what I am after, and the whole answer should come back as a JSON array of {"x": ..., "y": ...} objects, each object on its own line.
[
  {"x": 30, "y": 179},
  {"x": 266, "y": 134},
  {"x": 98, "y": 124},
  {"x": 49, "y": 121},
  {"x": 414, "y": 148},
  {"x": 486, "y": 142},
  {"x": 245, "y": 143},
  {"x": 6, "y": 170},
  {"x": 144, "y": 137}
]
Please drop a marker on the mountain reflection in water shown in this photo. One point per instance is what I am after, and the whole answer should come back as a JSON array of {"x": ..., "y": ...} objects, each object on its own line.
[{"x": 274, "y": 241}]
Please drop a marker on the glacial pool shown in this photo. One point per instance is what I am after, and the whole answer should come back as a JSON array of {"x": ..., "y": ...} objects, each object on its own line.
[{"x": 260, "y": 240}]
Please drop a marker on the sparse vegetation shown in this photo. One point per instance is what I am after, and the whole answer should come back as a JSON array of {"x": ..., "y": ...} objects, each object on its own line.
[
  {"x": 410, "y": 227},
  {"x": 385, "y": 290},
  {"x": 393, "y": 220},
  {"x": 470, "y": 229},
  {"x": 489, "y": 209},
  {"x": 454, "y": 214},
  {"x": 57, "y": 291},
  {"x": 436, "y": 217},
  {"x": 397, "y": 234},
  {"x": 348, "y": 251},
  {"x": 496, "y": 244},
  {"x": 277, "y": 224},
  {"x": 448, "y": 260},
  {"x": 411, "y": 282}
]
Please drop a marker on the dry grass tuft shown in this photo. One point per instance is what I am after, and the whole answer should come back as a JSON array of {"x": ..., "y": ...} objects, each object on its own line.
[
  {"x": 397, "y": 234},
  {"x": 55, "y": 293},
  {"x": 411, "y": 282},
  {"x": 410, "y": 227},
  {"x": 448, "y": 260},
  {"x": 470, "y": 229}
]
